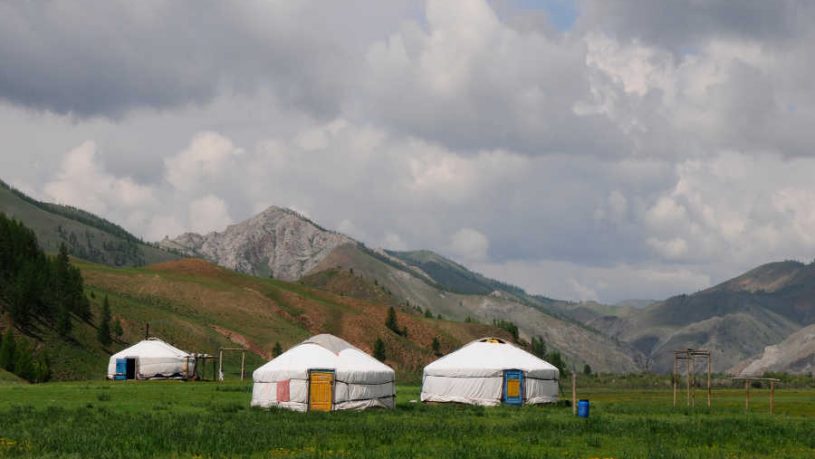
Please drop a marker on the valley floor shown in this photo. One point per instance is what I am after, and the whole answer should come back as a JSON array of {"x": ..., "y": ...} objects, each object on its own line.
[{"x": 178, "y": 419}]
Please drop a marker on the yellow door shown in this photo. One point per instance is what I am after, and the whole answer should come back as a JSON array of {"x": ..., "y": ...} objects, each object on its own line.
[{"x": 320, "y": 392}]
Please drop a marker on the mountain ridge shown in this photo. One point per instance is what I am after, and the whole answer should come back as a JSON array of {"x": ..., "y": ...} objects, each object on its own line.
[
  {"x": 86, "y": 236},
  {"x": 285, "y": 245}
]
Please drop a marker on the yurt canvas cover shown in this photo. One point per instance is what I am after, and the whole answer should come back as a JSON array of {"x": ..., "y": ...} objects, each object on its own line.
[
  {"x": 490, "y": 372},
  {"x": 149, "y": 359},
  {"x": 324, "y": 373}
]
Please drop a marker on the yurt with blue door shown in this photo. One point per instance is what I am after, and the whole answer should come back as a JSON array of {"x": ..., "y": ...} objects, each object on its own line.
[
  {"x": 324, "y": 373},
  {"x": 490, "y": 372},
  {"x": 151, "y": 359}
]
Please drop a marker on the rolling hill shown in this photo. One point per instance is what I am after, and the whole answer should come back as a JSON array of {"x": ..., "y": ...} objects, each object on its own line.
[
  {"x": 85, "y": 235},
  {"x": 796, "y": 354},
  {"x": 736, "y": 319},
  {"x": 199, "y": 307}
]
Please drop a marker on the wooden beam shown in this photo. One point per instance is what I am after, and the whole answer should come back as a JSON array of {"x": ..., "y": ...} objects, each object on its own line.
[
  {"x": 675, "y": 377},
  {"x": 243, "y": 363},
  {"x": 574, "y": 393},
  {"x": 687, "y": 377},
  {"x": 220, "y": 365},
  {"x": 746, "y": 395},
  {"x": 709, "y": 370}
]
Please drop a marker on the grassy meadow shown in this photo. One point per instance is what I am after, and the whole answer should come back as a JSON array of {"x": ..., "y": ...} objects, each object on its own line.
[{"x": 204, "y": 419}]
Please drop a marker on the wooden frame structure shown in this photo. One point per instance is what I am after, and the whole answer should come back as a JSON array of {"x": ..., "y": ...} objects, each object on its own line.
[
  {"x": 748, "y": 381},
  {"x": 690, "y": 356},
  {"x": 221, "y": 361}
]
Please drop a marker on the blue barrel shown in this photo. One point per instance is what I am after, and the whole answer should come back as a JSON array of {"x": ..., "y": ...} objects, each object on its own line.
[{"x": 583, "y": 408}]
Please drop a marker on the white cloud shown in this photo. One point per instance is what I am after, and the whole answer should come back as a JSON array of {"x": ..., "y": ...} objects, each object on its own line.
[
  {"x": 393, "y": 241},
  {"x": 209, "y": 157},
  {"x": 469, "y": 244},
  {"x": 207, "y": 213},
  {"x": 83, "y": 182}
]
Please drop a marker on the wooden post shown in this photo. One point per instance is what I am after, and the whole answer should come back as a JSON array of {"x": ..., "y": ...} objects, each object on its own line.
[
  {"x": 243, "y": 363},
  {"x": 220, "y": 364},
  {"x": 675, "y": 376},
  {"x": 574, "y": 393},
  {"x": 692, "y": 379},
  {"x": 772, "y": 396},
  {"x": 746, "y": 395},
  {"x": 687, "y": 376},
  {"x": 146, "y": 330},
  {"x": 709, "y": 371}
]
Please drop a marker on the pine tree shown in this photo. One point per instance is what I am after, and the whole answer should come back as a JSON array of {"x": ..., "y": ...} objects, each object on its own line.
[
  {"x": 587, "y": 370},
  {"x": 23, "y": 362},
  {"x": 42, "y": 369},
  {"x": 277, "y": 349},
  {"x": 428, "y": 314},
  {"x": 436, "y": 346},
  {"x": 391, "y": 322},
  {"x": 64, "y": 325},
  {"x": 538, "y": 347},
  {"x": 8, "y": 350},
  {"x": 557, "y": 361},
  {"x": 379, "y": 350},
  {"x": 103, "y": 331},
  {"x": 117, "y": 329}
]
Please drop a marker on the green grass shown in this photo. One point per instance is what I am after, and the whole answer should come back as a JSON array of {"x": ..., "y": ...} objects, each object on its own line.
[
  {"x": 9, "y": 378},
  {"x": 186, "y": 419}
]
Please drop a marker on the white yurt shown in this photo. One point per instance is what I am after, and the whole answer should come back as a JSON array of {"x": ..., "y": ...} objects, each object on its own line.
[
  {"x": 151, "y": 359},
  {"x": 324, "y": 373},
  {"x": 490, "y": 372}
]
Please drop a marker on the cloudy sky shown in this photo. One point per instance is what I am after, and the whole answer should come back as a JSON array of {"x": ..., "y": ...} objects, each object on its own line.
[{"x": 594, "y": 149}]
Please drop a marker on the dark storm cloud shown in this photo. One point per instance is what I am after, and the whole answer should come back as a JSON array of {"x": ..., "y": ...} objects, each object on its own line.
[
  {"x": 682, "y": 25},
  {"x": 104, "y": 58}
]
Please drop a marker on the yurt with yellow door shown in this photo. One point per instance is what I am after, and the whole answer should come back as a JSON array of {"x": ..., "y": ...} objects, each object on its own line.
[
  {"x": 324, "y": 373},
  {"x": 490, "y": 372}
]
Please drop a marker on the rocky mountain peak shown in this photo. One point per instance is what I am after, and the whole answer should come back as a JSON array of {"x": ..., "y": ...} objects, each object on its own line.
[{"x": 277, "y": 242}]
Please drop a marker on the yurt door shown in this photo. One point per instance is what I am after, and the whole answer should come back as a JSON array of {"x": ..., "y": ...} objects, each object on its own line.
[
  {"x": 121, "y": 370},
  {"x": 320, "y": 390},
  {"x": 130, "y": 368},
  {"x": 513, "y": 387}
]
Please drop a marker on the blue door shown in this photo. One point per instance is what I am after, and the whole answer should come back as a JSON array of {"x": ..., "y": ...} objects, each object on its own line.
[
  {"x": 513, "y": 387},
  {"x": 121, "y": 370}
]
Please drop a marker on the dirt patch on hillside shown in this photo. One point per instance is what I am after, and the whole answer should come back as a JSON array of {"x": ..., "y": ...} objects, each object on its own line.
[
  {"x": 191, "y": 266},
  {"x": 241, "y": 341}
]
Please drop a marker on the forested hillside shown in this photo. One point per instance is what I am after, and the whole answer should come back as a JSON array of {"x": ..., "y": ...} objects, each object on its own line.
[
  {"x": 37, "y": 292},
  {"x": 85, "y": 235}
]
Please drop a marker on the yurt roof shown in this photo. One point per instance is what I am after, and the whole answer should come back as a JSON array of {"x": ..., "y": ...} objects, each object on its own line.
[
  {"x": 488, "y": 357},
  {"x": 151, "y": 347},
  {"x": 324, "y": 352},
  {"x": 330, "y": 342}
]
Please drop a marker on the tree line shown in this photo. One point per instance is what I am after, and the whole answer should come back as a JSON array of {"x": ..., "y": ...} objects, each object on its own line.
[
  {"x": 34, "y": 286},
  {"x": 36, "y": 290}
]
